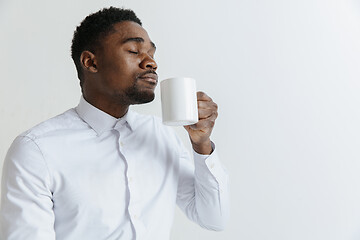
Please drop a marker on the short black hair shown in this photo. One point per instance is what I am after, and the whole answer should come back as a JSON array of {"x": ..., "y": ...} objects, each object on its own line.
[{"x": 93, "y": 28}]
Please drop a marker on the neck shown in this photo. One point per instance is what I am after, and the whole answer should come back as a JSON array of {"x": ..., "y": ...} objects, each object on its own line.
[{"x": 112, "y": 108}]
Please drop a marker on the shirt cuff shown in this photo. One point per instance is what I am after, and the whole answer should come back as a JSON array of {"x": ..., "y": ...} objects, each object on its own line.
[{"x": 209, "y": 168}]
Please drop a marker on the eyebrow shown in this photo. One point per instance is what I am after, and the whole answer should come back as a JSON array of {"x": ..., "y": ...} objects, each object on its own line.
[{"x": 139, "y": 40}]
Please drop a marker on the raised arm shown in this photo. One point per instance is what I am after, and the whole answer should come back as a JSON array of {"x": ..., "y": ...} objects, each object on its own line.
[{"x": 203, "y": 191}]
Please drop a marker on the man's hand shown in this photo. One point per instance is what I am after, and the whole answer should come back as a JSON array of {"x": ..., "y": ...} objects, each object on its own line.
[{"x": 200, "y": 132}]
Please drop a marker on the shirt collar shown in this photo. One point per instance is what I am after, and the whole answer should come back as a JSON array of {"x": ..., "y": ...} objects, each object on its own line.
[{"x": 100, "y": 121}]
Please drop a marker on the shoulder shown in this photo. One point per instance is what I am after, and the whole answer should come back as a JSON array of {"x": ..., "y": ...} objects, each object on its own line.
[
  {"x": 66, "y": 120},
  {"x": 27, "y": 145}
]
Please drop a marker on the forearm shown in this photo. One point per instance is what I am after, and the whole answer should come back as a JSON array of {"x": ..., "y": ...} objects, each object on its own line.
[
  {"x": 211, "y": 192},
  {"x": 203, "y": 193}
]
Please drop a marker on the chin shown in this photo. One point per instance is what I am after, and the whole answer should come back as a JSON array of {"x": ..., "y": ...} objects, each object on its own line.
[
  {"x": 138, "y": 94},
  {"x": 142, "y": 97}
]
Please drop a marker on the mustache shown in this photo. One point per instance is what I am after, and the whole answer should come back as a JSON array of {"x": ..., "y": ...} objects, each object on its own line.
[{"x": 146, "y": 72}]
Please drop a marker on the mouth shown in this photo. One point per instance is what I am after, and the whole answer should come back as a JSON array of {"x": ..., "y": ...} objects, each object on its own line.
[{"x": 150, "y": 78}]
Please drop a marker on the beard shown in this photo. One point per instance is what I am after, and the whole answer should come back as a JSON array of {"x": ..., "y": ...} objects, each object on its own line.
[{"x": 138, "y": 95}]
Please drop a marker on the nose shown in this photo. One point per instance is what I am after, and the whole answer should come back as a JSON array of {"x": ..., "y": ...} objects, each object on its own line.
[{"x": 148, "y": 63}]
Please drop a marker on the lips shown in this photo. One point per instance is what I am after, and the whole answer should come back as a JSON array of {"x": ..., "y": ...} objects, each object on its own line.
[{"x": 150, "y": 77}]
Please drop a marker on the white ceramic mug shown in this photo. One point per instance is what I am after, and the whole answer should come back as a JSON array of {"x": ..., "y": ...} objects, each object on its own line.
[{"x": 179, "y": 101}]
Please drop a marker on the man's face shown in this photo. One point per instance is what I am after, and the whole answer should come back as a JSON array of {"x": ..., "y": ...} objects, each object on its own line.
[{"x": 126, "y": 65}]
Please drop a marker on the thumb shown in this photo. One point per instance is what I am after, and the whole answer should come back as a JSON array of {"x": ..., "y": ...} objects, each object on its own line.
[{"x": 187, "y": 128}]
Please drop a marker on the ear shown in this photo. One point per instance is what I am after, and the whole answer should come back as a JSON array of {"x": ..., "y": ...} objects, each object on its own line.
[{"x": 88, "y": 61}]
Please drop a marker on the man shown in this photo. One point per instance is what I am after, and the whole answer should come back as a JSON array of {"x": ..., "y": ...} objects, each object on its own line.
[{"x": 102, "y": 171}]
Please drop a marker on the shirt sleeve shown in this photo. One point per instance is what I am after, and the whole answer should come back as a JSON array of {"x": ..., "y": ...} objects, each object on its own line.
[
  {"x": 26, "y": 202},
  {"x": 203, "y": 191}
]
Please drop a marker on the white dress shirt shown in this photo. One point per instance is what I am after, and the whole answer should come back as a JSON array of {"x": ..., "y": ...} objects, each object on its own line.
[{"x": 87, "y": 175}]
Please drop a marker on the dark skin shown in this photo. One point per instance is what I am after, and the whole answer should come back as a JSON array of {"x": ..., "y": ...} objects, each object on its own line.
[{"x": 122, "y": 72}]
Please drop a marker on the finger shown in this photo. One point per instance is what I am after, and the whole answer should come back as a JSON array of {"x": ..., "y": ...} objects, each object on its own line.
[
  {"x": 206, "y": 109},
  {"x": 213, "y": 117},
  {"x": 202, "y": 125},
  {"x": 204, "y": 113},
  {"x": 203, "y": 96},
  {"x": 187, "y": 127},
  {"x": 206, "y": 123},
  {"x": 207, "y": 105}
]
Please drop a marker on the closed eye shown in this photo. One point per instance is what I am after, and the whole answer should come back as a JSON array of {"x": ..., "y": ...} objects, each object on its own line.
[{"x": 133, "y": 52}]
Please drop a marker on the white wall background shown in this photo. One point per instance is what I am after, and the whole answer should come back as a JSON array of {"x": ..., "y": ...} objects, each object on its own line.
[{"x": 284, "y": 73}]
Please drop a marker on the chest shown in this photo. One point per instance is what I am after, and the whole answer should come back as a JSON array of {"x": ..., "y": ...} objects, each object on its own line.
[{"x": 112, "y": 171}]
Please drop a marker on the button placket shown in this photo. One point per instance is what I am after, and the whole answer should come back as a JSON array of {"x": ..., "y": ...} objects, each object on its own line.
[
  {"x": 133, "y": 207},
  {"x": 130, "y": 181},
  {"x": 134, "y": 194}
]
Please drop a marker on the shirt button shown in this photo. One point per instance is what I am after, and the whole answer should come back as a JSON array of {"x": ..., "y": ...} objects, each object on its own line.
[
  {"x": 130, "y": 179},
  {"x": 121, "y": 144},
  {"x": 212, "y": 165},
  {"x": 135, "y": 216}
]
